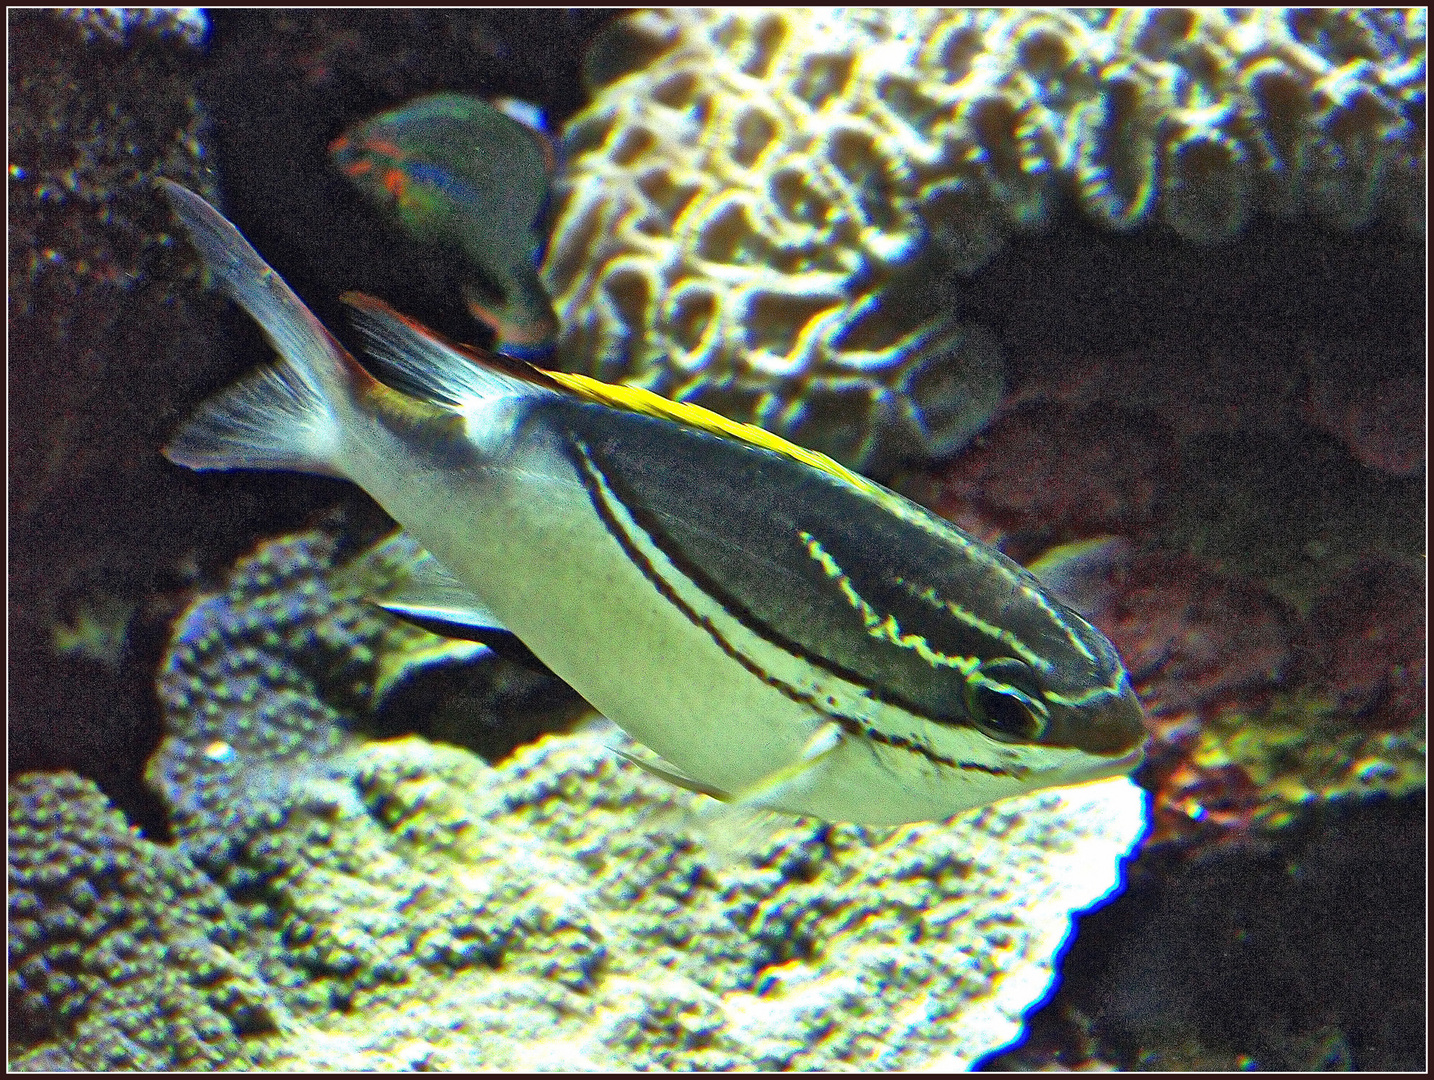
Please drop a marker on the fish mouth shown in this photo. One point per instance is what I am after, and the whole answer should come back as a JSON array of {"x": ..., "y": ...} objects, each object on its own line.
[
  {"x": 1116, "y": 731},
  {"x": 1127, "y": 762},
  {"x": 1099, "y": 769}
]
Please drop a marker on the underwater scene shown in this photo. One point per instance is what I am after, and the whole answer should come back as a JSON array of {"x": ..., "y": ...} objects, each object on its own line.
[{"x": 601, "y": 540}]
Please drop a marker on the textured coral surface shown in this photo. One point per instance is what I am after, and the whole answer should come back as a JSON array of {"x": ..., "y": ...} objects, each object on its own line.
[
  {"x": 565, "y": 909},
  {"x": 259, "y": 682},
  {"x": 122, "y": 954},
  {"x": 620, "y": 941},
  {"x": 763, "y": 210}
]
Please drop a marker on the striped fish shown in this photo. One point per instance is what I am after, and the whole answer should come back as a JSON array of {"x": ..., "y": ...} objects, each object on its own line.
[
  {"x": 778, "y": 630},
  {"x": 456, "y": 170}
]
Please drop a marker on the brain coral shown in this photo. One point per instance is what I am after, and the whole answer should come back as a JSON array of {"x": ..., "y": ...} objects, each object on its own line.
[
  {"x": 761, "y": 209},
  {"x": 409, "y": 905}
]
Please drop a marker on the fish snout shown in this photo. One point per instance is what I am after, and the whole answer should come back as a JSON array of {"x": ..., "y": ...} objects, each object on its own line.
[{"x": 1117, "y": 728}]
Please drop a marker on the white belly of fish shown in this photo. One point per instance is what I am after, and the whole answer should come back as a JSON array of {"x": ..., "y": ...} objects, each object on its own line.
[{"x": 535, "y": 550}]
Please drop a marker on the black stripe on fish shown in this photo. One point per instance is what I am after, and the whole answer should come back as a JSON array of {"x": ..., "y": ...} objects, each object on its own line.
[
  {"x": 758, "y": 567},
  {"x": 652, "y": 525},
  {"x": 600, "y": 492}
]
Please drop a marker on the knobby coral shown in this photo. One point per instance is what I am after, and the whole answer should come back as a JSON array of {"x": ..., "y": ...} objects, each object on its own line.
[
  {"x": 122, "y": 953},
  {"x": 562, "y": 912},
  {"x": 761, "y": 210},
  {"x": 85, "y": 150},
  {"x": 263, "y": 682},
  {"x": 408, "y": 905}
]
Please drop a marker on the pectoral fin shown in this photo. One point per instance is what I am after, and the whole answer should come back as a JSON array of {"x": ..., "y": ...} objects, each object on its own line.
[
  {"x": 1078, "y": 574},
  {"x": 735, "y": 825},
  {"x": 672, "y": 776},
  {"x": 766, "y": 793},
  {"x": 434, "y": 600}
]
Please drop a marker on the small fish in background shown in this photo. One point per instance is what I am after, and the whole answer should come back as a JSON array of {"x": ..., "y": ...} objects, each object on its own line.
[
  {"x": 779, "y": 632},
  {"x": 462, "y": 172}
]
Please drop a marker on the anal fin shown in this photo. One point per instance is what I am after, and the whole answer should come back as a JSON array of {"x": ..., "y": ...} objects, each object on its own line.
[{"x": 766, "y": 793}]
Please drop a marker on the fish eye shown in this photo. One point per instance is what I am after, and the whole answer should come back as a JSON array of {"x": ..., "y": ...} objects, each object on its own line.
[{"x": 1003, "y": 699}]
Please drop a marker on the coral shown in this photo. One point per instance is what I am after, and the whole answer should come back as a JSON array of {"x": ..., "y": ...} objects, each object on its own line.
[
  {"x": 1291, "y": 510},
  {"x": 1258, "y": 710},
  {"x": 105, "y": 342},
  {"x": 85, "y": 152},
  {"x": 761, "y": 209},
  {"x": 1298, "y": 750},
  {"x": 264, "y": 689},
  {"x": 1294, "y": 512},
  {"x": 116, "y": 25},
  {"x": 90, "y": 128},
  {"x": 735, "y": 226},
  {"x": 121, "y": 953},
  {"x": 1382, "y": 423},
  {"x": 1082, "y": 471},
  {"x": 259, "y": 682},
  {"x": 1191, "y": 636},
  {"x": 620, "y": 941},
  {"x": 1366, "y": 641},
  {"x": 410, "y": 905}
]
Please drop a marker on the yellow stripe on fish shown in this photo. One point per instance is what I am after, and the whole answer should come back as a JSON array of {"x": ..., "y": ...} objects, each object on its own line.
[
  {"x": 636, "y": 399},
  {"x": 776, "y": 628}
]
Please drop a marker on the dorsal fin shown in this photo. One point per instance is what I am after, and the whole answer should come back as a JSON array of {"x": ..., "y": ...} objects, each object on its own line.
[
  {"x": 1079, "y": 573},
  {"x": 428, "y": 365},
  {"x": 441, "y": 370}
]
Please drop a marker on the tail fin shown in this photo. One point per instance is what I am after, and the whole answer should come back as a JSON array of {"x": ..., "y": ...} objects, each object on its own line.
[{"x": 281, "y": 417}]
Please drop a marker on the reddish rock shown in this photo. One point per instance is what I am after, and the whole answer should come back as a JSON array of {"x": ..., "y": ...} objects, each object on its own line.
[
  {"x": 1384, "y": 426},
  {"x": 1196, "y": 642},
  {"x": 1381, "y": 423},
  {"x": 1365, "y": 639},
  {"x": 1058, "y": 473},
  {"x": 1191, "y": 637}
]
